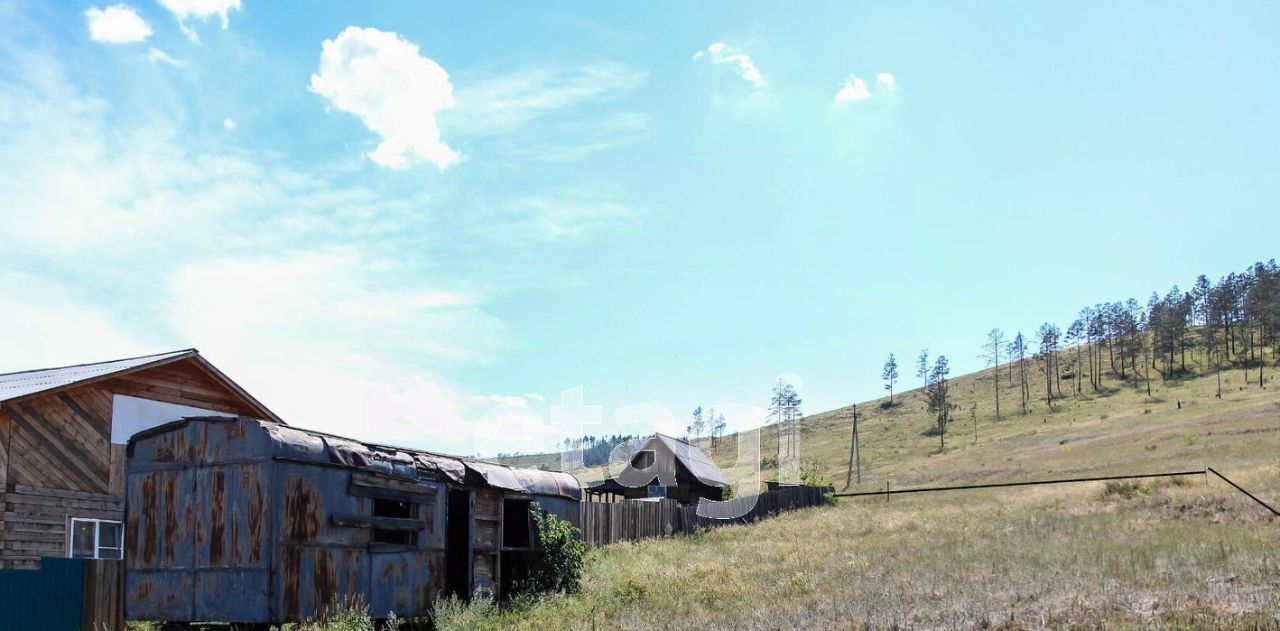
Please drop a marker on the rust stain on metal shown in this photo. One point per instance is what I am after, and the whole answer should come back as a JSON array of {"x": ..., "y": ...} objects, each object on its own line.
[
  {"x": 217, "y": 521},
  {"x": 170, "y": 448},
  {"x": 170, "y": 516},
  {"x": 324, "y": 579},
  {"x": 149, "y": 497},
  {"x": 302, "y": 509},
  {"x": 235, "y": 538},
  {"x": 291, "y": 576},
  {"x": 250, "y": 479}
]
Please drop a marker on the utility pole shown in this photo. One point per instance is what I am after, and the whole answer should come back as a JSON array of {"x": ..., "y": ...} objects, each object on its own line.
[
  {"x": 857, "y": 443},
  {"x": 855, "y": 452}
]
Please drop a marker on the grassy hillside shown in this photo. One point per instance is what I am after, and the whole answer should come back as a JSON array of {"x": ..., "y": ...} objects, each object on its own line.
[
  {"x": 1177, "y": 553},
  {"x": 1182, "y": 425}
]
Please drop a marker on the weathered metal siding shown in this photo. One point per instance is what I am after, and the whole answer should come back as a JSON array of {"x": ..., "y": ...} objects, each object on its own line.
[
  {"x": 564, "y": 508},
  {"x": 317, "y": 565},
  {"x": 245, "y": 521},
  {"x": 196, "y": 545},
  {"x": 321, "y": 563}
]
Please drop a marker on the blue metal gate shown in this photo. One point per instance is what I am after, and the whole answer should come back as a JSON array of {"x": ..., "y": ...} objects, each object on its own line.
[{"x": 48, "y": 599}]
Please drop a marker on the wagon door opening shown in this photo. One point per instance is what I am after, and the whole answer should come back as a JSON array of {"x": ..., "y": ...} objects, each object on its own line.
[
  {"x": 518, "y": 544},
  {"x": 458, "y": 536}
]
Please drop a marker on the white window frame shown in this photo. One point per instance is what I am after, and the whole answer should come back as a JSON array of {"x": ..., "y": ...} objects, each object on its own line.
[{"x": 97, "y": 537}]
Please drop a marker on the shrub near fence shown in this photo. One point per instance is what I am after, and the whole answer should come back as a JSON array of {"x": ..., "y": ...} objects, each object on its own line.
[{"x": 610, "y": 522}]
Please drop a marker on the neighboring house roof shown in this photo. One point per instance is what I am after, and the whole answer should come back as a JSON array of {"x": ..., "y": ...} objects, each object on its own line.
[
  {"x": 693, "y": 459},
  {"x": 17, "y": 385}
]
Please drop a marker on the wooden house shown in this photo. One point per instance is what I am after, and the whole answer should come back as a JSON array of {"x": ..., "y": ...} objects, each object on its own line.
[
  {"x": 254, "y": 523},
  {"x": 665, "y": 467},
  {"x": 62, "y": 446}
]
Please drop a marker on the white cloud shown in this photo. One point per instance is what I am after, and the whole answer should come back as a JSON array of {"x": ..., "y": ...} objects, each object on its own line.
[
  {"x": 228, "y": 123},
  {"x": 562, "y": 215},
  {"x": 36, "y": 306},
  {"x": 855, "y": 89},
  {"x": 335, "y": 322},
  {"x": 721, "y": 53},
  {"x": 127, "y": 233},
  {"x": 201, "y": 10},
  {"x": 381, "y": 78},
  {"x": 116, "y": 24},
  {"x": 503, "y": 103},
  {"x": 886, "y": 81},
  {"x": 155, "y": 56}
]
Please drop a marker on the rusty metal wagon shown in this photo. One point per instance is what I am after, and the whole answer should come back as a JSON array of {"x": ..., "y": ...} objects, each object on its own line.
[{"x": 232, "y": 519}]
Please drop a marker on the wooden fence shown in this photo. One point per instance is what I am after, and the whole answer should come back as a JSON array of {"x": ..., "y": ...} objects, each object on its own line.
[
  {"x": 63, "y": 595},
  {"x": 604, "y": 523}
]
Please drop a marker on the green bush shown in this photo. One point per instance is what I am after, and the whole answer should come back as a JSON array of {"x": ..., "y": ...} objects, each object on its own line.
[
  {"x": 809, "y": 473},
  {"x": 1126, "y": 489},
  {"x": 455, "y": 614},
  {"x": 350, "y": 615},
  {"x": 561, "y": 554}
]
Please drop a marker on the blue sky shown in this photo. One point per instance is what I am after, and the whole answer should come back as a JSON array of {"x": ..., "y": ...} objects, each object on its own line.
[{"x": 386, "y": 220}]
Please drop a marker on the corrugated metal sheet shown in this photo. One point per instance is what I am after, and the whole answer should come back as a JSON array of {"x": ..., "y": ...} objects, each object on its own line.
[
  {"x": 47, "y": 599},
  {"x": 21, "y": 384}
]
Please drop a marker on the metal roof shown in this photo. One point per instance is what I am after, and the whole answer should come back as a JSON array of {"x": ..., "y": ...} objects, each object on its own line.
[
  {"x": 16, "y": 385},
  {"x": 20, "y": 384},
  {"x": 694, "y": 460}
]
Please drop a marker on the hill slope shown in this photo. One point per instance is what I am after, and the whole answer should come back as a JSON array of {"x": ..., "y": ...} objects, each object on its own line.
[{"x": 1117, "y": 428}]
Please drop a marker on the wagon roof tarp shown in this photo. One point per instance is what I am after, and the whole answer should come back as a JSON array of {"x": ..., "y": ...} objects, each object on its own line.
[{"x": 295, "y": 443}]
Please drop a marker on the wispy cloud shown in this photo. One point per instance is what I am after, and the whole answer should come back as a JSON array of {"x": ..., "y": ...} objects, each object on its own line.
[
  {"x": 743, "y": 66},
  {"x": 503, "y": 103},
  {"x": 854, "y": 89},
  {"x": 563, "y": 215},
  {"x": 290, "y": 274},
  {"x": 185, "y": 10},
  {"x": 116, "y": 24},
  {"x": 394, "y": 90},
  {"x": 157, "y": 56}
]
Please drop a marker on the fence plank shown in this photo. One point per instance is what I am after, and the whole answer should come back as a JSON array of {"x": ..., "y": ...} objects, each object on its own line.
[{"x": 605, "y": 523}]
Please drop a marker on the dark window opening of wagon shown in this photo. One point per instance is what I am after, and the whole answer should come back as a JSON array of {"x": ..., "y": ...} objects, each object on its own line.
[{"x": 397, "y": 510}]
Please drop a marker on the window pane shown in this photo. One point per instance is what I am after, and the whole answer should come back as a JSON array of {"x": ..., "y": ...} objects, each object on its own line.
[
  {"x": 109, "y": 534},
  {"x": 109, "y": 553},
  {"x": 82, "y": 539}
]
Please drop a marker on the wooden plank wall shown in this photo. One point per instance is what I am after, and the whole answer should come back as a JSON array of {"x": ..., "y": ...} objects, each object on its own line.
[
  {"x": 36, "y": 521},
  {"x": 4, "y": 471},
  {"x": 103, "y": 596},
  {"x": 604, "y": 523},
  {"x": 62, "y": 440},
  {"x": 61, "y": 462},
  {"x": 4, "y": 450},
  {"x": 486, "y": 535},
  {"x": 183, "y": 383}
]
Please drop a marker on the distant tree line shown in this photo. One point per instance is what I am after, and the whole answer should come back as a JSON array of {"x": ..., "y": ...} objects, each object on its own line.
[
  {"x": 596, "y": 449},
  {"x": 1231, "y": 323}
]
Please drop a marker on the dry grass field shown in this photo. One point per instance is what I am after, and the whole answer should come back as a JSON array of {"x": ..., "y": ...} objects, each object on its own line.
[
  {"x": 1177, "y": 553},
  {"x": 1168, "y": 553}
]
